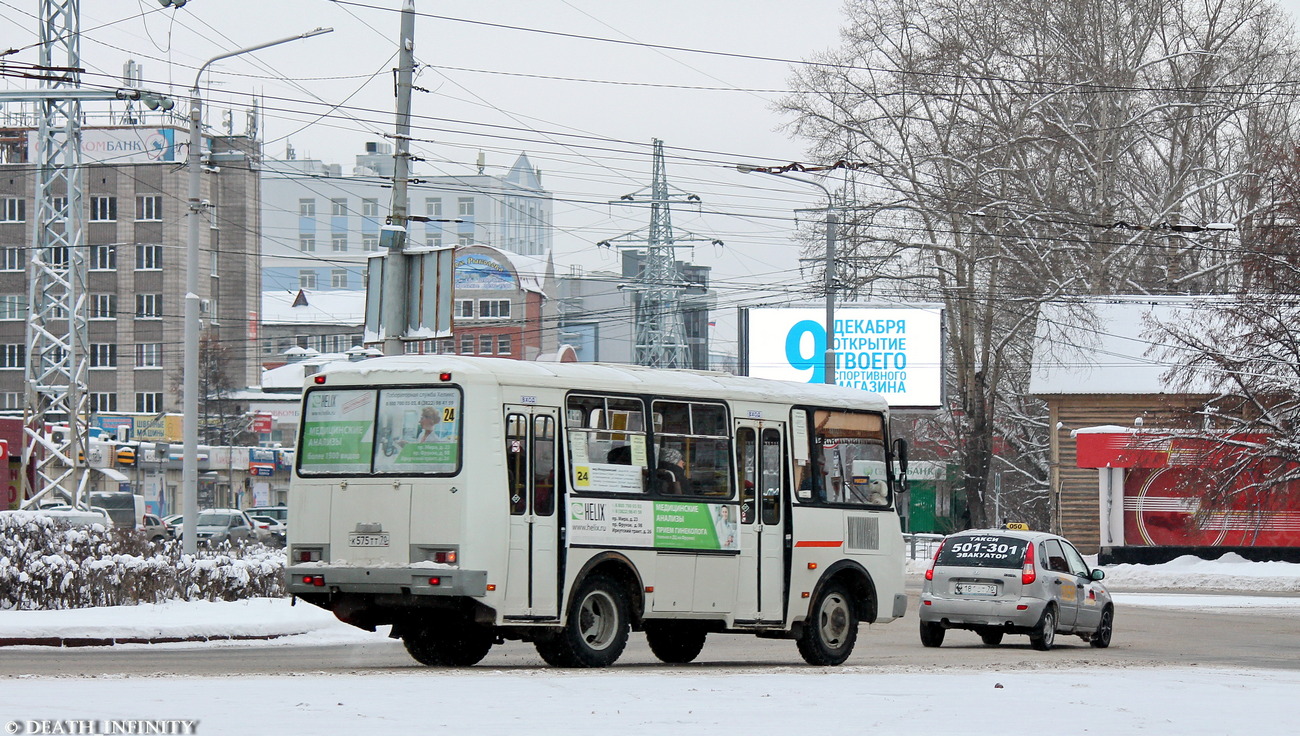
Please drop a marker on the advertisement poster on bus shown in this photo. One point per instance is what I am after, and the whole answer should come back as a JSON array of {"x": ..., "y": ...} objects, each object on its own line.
[
  {"x": 418, "y": 430},
  {"x": 338, "y": 431},
  {"x": 657, "y": 524},
  {"x": 893, "y": 351}
]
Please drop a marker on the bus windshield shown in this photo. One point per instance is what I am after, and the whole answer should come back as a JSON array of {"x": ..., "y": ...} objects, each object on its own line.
[{"x": 411, "y": 431}]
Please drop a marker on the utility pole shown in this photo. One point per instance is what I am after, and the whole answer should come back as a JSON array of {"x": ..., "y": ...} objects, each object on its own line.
[
  {"x": 395, "y": 272},
  {"x": 660, "y": 329},
  {"x": 55, "y": 367}
]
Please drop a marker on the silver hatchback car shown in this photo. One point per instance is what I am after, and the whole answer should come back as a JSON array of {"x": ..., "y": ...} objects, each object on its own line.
[{"x": 997, "y": 581}]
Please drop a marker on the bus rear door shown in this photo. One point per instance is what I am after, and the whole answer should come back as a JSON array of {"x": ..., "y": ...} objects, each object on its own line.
[
  {"x": 532, "y": 581},
  {"x": 760, "y": 460}
]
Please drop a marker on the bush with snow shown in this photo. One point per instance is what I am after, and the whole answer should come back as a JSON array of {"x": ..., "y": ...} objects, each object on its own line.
[{"x": 45, "y": 563}]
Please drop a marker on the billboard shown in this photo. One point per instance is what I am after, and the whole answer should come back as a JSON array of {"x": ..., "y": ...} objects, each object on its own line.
[
  {"x": 893, "y": 351},
  {"x": 137, "y": 144}
]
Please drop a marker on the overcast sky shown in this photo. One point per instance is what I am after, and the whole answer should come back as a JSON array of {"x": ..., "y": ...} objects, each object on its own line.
[{"x": 589, "y": 133}]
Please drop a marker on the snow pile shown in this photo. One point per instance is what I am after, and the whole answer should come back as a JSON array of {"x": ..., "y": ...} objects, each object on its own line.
[
  {"x": 1229, "y": 572},
  {"x": 47, "y": 564}
]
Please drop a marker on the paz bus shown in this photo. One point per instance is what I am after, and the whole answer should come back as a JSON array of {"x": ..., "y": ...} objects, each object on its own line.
[{"x": 466, "y": 501}]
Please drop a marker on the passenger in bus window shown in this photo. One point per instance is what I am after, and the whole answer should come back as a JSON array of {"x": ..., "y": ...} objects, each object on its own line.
[
  {"x": 672, "y": 471},
  {"x": 621, "y": 455}
]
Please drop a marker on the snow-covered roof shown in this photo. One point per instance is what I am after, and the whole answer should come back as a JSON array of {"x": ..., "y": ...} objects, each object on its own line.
[
  {"x": 292, "y": 375},
  {"x": 340, "y": 307},
  {"x": 1105, "y": 346}
]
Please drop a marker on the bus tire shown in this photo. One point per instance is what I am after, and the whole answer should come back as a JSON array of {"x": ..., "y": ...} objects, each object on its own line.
[
  {"x": 448, "y": 645},
  {"x": 596, "y": 631},
  {"x": 675, "y": 642},
  {"x": 831, "y": 630}
]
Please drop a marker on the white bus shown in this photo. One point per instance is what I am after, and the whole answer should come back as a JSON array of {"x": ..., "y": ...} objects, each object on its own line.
[{"x": 465, "y": 501}]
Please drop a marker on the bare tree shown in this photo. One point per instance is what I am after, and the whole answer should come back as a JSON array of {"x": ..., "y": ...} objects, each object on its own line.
[{"x": 1016, "y": 153}]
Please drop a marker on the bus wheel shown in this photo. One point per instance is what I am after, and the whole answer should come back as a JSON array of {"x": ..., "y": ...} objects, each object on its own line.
[
  {"x": 675, "y": 642},
  {"x": 832, "y": 630},
  {"x": 449, "y": 645},
  {"x": 596, "y": 631}
]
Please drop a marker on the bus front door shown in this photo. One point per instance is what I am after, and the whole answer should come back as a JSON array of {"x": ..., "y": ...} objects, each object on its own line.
[
  {"x": 761, "y": 462},
  {"x": 532, "y": 582}
]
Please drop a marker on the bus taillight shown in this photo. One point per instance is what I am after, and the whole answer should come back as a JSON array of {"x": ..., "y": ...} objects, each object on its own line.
[
  {"x": 435, "y": 581},
  {"x": 318, "y": 380},
  {"x": 444, "y": 376},
  {"x": 445, "y": 557}
]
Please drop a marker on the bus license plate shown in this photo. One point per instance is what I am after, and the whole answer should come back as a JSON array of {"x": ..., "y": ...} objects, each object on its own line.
[
  {"x": 976, "y": 589},
  {"x": 368, "y": 540}
]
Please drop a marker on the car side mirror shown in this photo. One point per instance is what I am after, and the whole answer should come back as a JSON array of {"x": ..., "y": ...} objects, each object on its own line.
[{"x": 1097, "y": 574}]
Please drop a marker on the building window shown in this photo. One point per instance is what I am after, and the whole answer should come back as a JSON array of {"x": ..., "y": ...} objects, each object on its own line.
[
  {"x": 58, "y": 255},
  {"x": 466, "y": 344},
  {"x": 306, "y": 208},
  {"x": 485, "y": 344},
  {"x": 103, "y": 402},
  {"x": 306, "y": 279},
  {"x": 464, "y": 308},
  {"x": 433, "y": 207},
  {"x": 13, "y": 209},
  {"x": 339, "y": 278},
  {"x": 369, "y": 243},
  {"x": 307, "y": 243},
  {"x": 435, "y": 239},
  {"x": 370, "y": 208},
  {"x": 59, "y": 209},
  {"x": 148, "y": 305},
  {"x": 465, "y": 239},
  {"x": 13, "y": 306},
  {"x": 339, "y": 207},
  {"x": 12, "y": 259},
  {"x": 148, "y": 257},
  {"x": 339, "y": 242},
  {"x": 12, "y": 400},
  {"x": 103, "y": 209},
  {"x": 503, "y": 345},
  {"x": 103, "y": 355},
  {"x": 103, "y": 257},
  {"x": 148, "y": 355},
  {"x": 148, "y": 403},
  {"x": 494, "y": 307},
  {"x": 465, "y": 207},
  {"x": 13, "y": 356},
  {"x": 148, "y": 207},
  {"x": 103, "y": 306},
  {"x": 446, "y": 345}
]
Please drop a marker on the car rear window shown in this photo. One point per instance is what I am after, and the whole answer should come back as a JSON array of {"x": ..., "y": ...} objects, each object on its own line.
[{"x": 989, "y": 550}]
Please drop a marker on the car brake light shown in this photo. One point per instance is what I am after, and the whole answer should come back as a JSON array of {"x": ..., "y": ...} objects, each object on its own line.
[
  {"x": 1028, "y": 573},
  {"x": 929, "y": 574}
]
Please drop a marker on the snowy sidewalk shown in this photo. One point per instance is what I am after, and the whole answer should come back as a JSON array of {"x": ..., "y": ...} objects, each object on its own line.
[{"x": 258, "y": 618}]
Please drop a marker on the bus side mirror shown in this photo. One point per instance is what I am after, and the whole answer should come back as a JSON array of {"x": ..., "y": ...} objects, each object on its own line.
[{"x": 900, "y": 452}]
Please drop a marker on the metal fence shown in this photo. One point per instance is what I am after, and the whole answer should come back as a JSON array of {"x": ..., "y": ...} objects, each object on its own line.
[{"x": 921, "y": 546}]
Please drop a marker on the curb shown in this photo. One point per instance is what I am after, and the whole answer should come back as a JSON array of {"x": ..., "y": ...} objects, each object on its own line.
[{"x": 87, "y": 641}]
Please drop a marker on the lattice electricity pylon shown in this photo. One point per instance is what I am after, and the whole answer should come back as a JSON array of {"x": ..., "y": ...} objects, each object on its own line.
[
  {"x": 660, "y": 329},
  {"x": 55, "y": 368}
]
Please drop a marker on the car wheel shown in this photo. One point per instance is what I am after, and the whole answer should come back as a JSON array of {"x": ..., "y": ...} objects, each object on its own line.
[
  {"x": 931, "y": 634},
  {"x": 991, "y": 637},
  {"x": 675, "y": 642},
  {"x": 1044, "y": 634},
  {"x": 829, "y": 634},
  {"x": 157, "y": 539},
  {"x": 449, "y": 645},
  {"x": 596, "y": 631},
  {"x": 1101, "y": 637}
]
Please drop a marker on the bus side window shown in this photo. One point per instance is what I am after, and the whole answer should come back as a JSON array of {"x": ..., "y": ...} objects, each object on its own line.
[
  {"x": 747, "y": 464},
  {"x": 517, "y": 462},
  {"x": 543, "y": 465}
]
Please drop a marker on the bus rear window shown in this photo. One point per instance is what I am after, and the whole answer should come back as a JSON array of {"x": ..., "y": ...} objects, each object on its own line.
[
  {"x": 990, "y": 550},
  {"x": 413, "y": 431}
]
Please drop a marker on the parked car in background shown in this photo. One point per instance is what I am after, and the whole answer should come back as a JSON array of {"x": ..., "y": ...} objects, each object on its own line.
[
  {"x": 279, "y": 513},
  {"x": 155, "y": 529},
  {"x": 275, "y": 526},
  {"x": 215, "y": 526},
  {"x": 997, "y": 581},
  {"x": 77, "y": 517}
]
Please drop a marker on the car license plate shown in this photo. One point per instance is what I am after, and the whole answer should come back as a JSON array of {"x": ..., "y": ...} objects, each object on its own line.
[
  {"x": 975, "y": 589},
  {"x": 368, "y": 540}
]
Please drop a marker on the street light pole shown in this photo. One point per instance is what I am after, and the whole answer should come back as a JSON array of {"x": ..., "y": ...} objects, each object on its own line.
[
  {"x": 832, "y": 221},
  {"x": 190, "y": 386}
]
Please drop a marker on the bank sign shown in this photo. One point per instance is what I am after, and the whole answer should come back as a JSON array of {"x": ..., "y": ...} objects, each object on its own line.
[{"x": 895, "y": 352}]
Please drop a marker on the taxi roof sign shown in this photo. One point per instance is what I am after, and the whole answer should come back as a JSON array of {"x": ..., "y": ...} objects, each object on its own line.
[{"x": 1018, "y": 526}]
